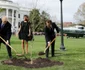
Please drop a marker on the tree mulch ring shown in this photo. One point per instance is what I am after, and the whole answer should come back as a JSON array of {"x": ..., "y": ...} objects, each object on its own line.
[{"x": 36, "y": 63}]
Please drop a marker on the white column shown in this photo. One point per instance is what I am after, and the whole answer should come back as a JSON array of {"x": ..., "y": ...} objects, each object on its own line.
[
  {"x": 16, "y": 20},
  {"x": 7, "y": 14},
  {"x": 12, "y": 19}
]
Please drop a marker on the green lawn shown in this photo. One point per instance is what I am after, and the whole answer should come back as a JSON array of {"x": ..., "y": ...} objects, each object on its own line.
[{"x": 73, "y": 58}]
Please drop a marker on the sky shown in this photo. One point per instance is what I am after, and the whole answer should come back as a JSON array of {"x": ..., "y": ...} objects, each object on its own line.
[{"x": 52, "y": 7}]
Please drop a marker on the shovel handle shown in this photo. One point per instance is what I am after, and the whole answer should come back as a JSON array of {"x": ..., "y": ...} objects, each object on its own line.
[
  {"x": 7, "y": 44},
  {"x": 49, "y": 45}
]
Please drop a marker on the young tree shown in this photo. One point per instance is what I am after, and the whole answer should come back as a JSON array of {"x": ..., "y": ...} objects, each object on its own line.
[
  {"x": 34, "y": 18},
  {"x": 37, "y": 19},
  {"x": 43, "y": 17}
]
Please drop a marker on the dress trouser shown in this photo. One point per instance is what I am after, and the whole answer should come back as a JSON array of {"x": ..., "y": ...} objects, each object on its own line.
[
  {"x": 52, "y": 48},
  {"x": 8, "y": 48}
]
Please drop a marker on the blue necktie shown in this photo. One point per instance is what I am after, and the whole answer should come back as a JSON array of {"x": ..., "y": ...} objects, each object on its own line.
[{"x": 2, "y": 25}]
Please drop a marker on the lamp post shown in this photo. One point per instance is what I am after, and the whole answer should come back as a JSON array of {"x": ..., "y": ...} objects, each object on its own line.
[{"x": 62, "y": 41}]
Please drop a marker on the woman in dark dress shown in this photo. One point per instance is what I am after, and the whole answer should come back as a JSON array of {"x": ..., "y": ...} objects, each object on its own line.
[{"x": 24, "y": 33}]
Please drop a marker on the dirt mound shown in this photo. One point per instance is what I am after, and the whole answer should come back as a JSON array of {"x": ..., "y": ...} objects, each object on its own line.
[{"x": 37, "y": 63}]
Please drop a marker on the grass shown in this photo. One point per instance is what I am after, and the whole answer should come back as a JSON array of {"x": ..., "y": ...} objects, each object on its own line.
[{"x": 73, "y": 57}]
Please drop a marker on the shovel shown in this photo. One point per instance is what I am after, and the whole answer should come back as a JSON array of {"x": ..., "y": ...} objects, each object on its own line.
[
  {"x": 42, "y": 53},
  {"x": 10, "y": 46}
]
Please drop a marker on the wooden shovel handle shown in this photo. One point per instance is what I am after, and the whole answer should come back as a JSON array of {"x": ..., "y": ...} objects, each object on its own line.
[
  {"x": 7, "y": 44},
  {"x": 49, "y": 45}
]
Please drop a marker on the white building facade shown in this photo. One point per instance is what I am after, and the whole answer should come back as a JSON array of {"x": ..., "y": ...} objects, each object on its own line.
[{"x": 13, "y": 12}]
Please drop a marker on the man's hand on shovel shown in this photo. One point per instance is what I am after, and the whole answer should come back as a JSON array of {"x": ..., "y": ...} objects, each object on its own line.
[{"x": 49, "y": 43}]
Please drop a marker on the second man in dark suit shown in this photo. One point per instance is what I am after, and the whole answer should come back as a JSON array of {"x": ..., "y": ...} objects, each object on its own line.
[{"x": 50, "y": 35}]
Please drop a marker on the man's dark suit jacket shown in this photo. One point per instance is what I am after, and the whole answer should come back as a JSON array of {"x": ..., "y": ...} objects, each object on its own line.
[
  {"x": 5, "y": 32},
  {"x": 49, "y": 32}
]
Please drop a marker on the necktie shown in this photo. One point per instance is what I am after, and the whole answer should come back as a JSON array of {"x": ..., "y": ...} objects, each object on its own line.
[{"x": 2, "y": 25}]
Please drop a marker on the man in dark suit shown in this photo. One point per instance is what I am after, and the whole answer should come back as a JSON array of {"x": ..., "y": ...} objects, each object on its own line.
[
  {"x": 50, "y": 35},
  {"x": 5, "y": 33}
]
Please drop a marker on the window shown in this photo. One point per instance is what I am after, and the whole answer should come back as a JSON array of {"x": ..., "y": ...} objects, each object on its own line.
[{"x": 18, "y": 15}]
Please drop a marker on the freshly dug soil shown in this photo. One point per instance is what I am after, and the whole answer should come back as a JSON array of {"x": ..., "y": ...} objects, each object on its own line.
[{"x": 37, "y": 63}]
